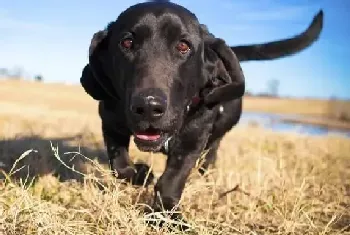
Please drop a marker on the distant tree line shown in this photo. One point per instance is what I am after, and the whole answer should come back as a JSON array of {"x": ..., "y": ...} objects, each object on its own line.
[
  {"x": 272, "y": 90},
  {"x": 18, "y": 73}
]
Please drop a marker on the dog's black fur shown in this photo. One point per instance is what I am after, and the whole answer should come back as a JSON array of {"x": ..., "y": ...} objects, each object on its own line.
[{"x": 151, "y": 88}]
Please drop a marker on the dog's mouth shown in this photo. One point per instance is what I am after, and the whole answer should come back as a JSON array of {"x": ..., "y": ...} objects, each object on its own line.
[
  {"x": 148, "y": 135},
  {"x": 151, "y": 139}
]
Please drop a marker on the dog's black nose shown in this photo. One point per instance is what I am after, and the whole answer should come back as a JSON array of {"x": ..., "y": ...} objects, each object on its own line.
[{"x": 148, "y": 106}]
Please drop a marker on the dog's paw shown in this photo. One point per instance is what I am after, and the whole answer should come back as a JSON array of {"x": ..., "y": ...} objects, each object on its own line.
[
  {"x": 126, "y": 173},
  {"x": 170, "y": 220},
  {"x": 143, "y": 175},
  {"x": 139, "y": 174}
]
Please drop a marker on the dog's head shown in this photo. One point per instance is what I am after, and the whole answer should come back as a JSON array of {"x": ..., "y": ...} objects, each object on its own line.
[{"x": 155, "y": 59}]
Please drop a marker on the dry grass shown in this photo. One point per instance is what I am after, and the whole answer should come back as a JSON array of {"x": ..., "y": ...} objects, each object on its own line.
[
  {"x": 278, "y": 183},
  {"x": 312, "y": 107}
]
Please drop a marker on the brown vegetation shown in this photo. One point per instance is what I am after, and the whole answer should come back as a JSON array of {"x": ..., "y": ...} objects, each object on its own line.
[{"x": 263, "y": 183}]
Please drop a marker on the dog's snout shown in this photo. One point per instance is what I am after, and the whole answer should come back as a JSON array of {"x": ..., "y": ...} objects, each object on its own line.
[{"x": 148, "y": 106}]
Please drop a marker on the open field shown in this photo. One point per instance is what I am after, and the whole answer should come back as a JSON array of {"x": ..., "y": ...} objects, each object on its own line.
[
  {"x": 313, "y": 107},
  {"x": 279, "y": 183},
  {"x": 320, "y": 112}
]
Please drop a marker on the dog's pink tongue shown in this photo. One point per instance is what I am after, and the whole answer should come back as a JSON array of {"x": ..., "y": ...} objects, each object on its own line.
[{"x": 144, "y": 136}]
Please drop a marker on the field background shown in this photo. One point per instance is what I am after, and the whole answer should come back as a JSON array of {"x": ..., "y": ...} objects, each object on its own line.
[{"x": 279, "y": 183}]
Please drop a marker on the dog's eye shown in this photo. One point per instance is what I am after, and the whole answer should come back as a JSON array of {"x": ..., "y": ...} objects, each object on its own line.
[
  {"x": 126, "y": 43},
  {"x": 183, "y": 47}
]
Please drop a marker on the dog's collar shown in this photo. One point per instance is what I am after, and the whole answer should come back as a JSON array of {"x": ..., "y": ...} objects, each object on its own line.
[
  {"x": 196, "y": 100},
  {"x": 193, "y": 103},
  {"x": 166, "y": 145}
]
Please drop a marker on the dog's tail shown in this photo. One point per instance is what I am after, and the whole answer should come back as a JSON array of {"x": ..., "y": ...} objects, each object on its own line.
[{"x": 281, "y": 48}]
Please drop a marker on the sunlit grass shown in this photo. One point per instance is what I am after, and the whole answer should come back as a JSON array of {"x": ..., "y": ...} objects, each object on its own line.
[
  {"x": 263, "y": 182},
  {"x": 274, "y": 184}
]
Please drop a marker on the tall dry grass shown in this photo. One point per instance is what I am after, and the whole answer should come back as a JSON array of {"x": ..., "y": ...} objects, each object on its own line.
[
  {"x": 55, "y": 180},
  {"x": 339, "y": 109},
  {"x": 280, "y": 184}
]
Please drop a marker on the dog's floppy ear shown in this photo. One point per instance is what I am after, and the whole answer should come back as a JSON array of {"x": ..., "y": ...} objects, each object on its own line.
[
  {"x": 94, "y": 77},
  {"x": 91, "y": 85},
  {"x": 226, "y": 80}
]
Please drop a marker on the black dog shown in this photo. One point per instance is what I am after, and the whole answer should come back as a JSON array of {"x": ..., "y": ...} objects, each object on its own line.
[{"x": 161, "y": 77}]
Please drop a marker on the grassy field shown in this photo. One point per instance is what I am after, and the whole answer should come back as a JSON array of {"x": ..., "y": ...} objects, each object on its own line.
[{"x": 263, "y": 182}]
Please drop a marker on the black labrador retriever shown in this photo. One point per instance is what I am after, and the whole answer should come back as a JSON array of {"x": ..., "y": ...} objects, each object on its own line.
[{"x": 163, "y": 78}]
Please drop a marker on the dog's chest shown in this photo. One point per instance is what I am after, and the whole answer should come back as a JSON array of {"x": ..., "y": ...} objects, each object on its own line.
[{"x": 167, "y": 144}]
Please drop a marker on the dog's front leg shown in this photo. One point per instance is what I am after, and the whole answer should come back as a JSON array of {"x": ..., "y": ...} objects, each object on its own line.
[
  {"x": 123, "y": 168},
  {"x": 170, "y": 185},
  {"x": 117, "y": 149},
  {"x": 184, "y": 150}
]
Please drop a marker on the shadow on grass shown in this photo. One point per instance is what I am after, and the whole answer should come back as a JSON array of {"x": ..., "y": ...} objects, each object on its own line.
[
  {"x": 65, "y": 158},
  {"x": 42, "y": 160}
]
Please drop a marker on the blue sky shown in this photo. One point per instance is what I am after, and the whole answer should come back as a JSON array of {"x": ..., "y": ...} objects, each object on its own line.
[{"x": 52, "y": 38}]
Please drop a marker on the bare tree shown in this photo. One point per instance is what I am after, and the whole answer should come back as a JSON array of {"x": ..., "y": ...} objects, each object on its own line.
[
  {"x": 16, "y": 73},
  {"x": 273, "y": 87},
  {"x": 38, "y": 78},
  {"x": 4, "y": 72}
]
